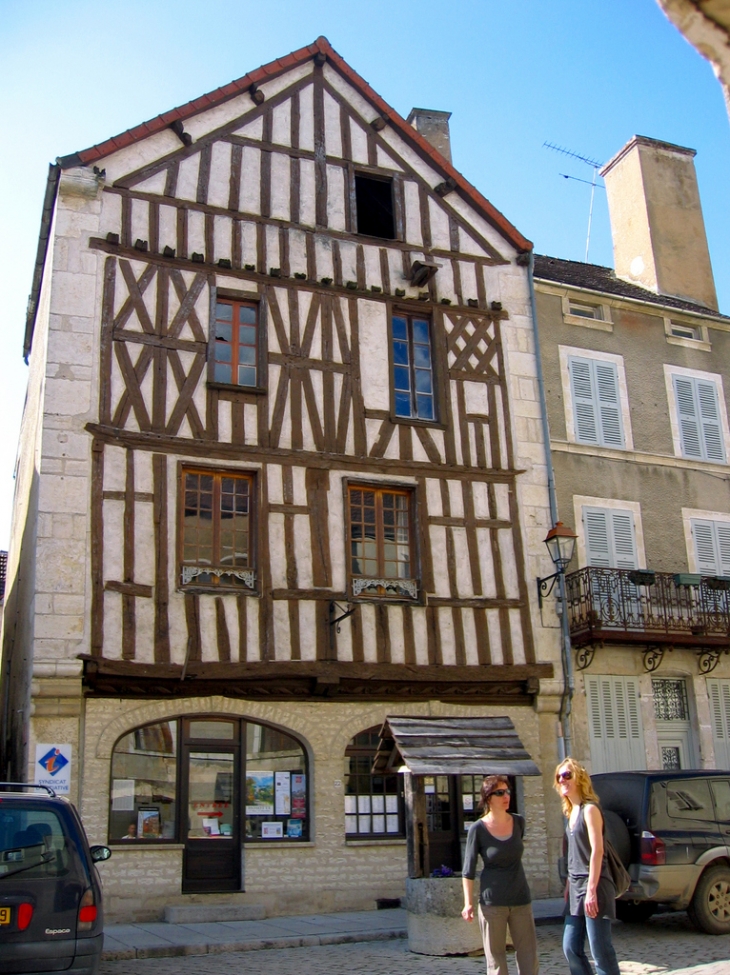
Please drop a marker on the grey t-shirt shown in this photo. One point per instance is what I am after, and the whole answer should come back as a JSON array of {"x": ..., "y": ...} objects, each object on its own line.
[{"x": 503, "y": 882}]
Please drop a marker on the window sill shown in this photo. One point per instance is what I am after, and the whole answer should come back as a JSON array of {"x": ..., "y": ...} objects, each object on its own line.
[
  {"x": 219, "y": 590},
  {"x": 595, "y": 323},
  {"x": 278, "y": 844},
  {"x": 697, "y": 344},
  {"x": 413, "y": 421},
  {"x": 233, "y": 388},
  {"x": 117, "y": 845},
  {"x": 377, "y": 840}
]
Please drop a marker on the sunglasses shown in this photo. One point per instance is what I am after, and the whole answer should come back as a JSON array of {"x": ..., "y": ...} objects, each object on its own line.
[
  {"x": 501, "y": 792},
  {"x": 564, "y": 776}
]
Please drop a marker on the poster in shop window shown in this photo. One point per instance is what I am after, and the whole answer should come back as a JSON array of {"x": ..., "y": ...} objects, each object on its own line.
[
  {"x": 259, "y": 793},
  {"x": 298, "y": 795},
  {"x": 282, "y": 793}
]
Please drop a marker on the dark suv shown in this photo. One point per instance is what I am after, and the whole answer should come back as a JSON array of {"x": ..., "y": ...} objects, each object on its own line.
[
  {"x": 51, "y": 915},
  {"x": 672, "y": 830}
]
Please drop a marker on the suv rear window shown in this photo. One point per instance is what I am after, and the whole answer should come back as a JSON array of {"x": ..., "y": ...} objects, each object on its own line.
[
  {"x": 32, "y": 842},
  {"x": 678, "y": 801}
]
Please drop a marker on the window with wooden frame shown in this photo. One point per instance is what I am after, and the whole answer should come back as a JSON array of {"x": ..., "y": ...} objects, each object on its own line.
[
  {"x": 413, "y": 372},
  {"x": 216, "y": 536},
  {"x": 374, "y": 806},
  {"x": 235, "y": 343},
  {"x": 382, "y": 552},
  {"x": 375, "y": 206}
]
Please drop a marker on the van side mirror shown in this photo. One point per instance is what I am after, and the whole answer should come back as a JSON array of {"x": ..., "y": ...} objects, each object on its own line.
[{"x": 99, "y": 853}]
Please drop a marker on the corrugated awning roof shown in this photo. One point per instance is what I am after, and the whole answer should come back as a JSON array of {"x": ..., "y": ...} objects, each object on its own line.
[{"x": 453, "y": 746}]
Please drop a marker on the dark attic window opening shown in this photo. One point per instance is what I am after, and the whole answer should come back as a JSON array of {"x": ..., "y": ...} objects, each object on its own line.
[{"x": 375, "y": 216}]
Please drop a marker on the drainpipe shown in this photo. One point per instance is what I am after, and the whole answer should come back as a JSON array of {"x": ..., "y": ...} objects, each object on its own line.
[{"x": 565, "y": 737}]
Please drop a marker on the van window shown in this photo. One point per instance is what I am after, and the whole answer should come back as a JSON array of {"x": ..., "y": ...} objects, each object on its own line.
[{"x": 32, "y": 842}]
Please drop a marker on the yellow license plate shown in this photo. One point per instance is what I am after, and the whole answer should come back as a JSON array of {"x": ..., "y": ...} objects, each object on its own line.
[{"x": 4, "y": 915}]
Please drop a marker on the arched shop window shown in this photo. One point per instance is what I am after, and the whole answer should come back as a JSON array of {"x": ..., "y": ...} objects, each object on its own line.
[
  {"x": 373, "y": 803},
  {"x": 188, "y": 778}
]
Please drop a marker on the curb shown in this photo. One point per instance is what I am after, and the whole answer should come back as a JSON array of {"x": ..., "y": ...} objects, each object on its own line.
[{"x": 262, "y": 944}]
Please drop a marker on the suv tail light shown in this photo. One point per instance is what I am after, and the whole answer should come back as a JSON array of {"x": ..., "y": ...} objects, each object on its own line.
[
  {"x": 653, "y": 850},
  {"x": 25, "y": 913},
  {"x": 87, "y": 911}
]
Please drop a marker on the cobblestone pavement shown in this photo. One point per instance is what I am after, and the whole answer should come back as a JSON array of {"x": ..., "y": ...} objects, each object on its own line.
[{"x": 663, "y": 945}]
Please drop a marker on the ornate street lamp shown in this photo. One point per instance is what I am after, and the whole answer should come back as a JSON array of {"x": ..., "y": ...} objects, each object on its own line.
[{"x": 560, "y": 541}]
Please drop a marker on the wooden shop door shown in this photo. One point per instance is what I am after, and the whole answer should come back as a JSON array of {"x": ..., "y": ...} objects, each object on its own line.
[{"x": 211, "y": 814}]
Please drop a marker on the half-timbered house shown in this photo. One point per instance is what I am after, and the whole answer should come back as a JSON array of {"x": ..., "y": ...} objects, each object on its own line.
[{"x": 281, "y": 476}]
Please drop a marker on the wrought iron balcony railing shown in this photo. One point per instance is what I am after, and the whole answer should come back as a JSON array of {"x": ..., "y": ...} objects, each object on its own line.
[{"x": 651, "y": 608}]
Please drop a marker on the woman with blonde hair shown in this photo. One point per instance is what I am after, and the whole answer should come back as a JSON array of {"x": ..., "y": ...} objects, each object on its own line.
[
  {"x": 504, "y": 897},
  {"x": 592, "y": 894}
]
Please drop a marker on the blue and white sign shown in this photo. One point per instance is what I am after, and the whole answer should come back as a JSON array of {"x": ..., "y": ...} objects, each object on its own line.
[{"x": 53, "y": 767}]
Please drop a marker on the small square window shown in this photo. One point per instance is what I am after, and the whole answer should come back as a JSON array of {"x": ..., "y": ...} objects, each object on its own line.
[
  {"x": 685, "y": 332},
  {"x": 375, "y": 210},
  {"x": 584, "y": 310},
  {"x": 235, "y": 345}
]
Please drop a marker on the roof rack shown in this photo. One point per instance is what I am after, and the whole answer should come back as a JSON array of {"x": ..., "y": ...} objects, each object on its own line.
[{"x": 28, "y": 785}]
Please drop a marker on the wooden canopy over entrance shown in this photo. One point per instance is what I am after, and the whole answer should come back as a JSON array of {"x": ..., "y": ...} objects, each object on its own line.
[
  {"x": 420, "y": 747},
  {"x": 453, "y": 746}
]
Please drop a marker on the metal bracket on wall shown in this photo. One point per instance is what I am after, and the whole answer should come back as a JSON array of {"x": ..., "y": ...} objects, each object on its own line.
[
  {"x": 345, "y": 612},
  {"x": 707, "y": 659},
  {"x": 584, "y": 657},
  {"x": 653, "y": 656}
]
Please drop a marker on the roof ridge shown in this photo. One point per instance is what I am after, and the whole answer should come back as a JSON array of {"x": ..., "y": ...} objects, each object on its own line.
[{"x": 272, "y": 70}]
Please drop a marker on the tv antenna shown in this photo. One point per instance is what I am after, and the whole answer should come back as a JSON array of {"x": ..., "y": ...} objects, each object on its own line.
[{"x": 589, "y": 162}]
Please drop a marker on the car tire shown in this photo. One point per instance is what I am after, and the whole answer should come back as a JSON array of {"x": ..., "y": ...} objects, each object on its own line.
[
  {"x": 709, "y": 909},
  {"x": 635, "y": 912}
]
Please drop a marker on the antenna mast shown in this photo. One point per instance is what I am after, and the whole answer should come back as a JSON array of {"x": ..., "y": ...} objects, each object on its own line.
[{"x": 589, "y": 162}]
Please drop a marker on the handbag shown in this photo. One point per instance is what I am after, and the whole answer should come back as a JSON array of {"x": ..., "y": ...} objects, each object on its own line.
[{"x": 617, "y": 871}]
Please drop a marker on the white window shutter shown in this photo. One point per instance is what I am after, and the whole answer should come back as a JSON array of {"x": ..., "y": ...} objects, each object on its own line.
[
  {"x": 624, "y": 543},
  {"x": 584, "y": 406},
  {"x": 595, "y": 523},
  {"x": 722, "y": 532},
  {"x": 710, "y": 420},
  {"x": 608, "y": 404},
  {"x": 617, "y": 739},
  {"x": 718, "y": 692},
  {"x": 687, "y": 414},
  {"x": 704, "y": 537}
]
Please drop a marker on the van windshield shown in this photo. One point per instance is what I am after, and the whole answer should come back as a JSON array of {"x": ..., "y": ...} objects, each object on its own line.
[{"x": 32, "y": 842}]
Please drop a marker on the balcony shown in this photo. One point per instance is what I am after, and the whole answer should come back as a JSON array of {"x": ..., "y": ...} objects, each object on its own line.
[{"x": 658, "y": 610}]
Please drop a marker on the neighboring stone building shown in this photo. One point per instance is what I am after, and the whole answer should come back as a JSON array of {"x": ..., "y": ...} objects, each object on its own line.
[
  {"x": 706, "y": 25},
  {"x": 636, "y": 375},
  {"x": 282, "y": 476}
]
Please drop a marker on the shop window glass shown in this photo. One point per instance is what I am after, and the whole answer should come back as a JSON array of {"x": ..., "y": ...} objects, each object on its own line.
[
  {"x": 276, "y": 805},
  {"x": 144, "y": 784},
  {"x": 373, "y": 802}
]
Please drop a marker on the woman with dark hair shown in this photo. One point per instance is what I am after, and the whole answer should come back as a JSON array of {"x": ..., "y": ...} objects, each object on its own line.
[
  {"x": 504, "y": 897},
  {"x": 590, "y": 886}
]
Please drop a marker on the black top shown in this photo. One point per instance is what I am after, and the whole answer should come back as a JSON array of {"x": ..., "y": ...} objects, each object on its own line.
[
  {"x": 503, "y": 882},
  {"x": 579, "y": 863}
]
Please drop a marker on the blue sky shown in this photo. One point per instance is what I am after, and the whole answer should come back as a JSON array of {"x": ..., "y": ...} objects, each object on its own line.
[{"x": 584, "y": 74}]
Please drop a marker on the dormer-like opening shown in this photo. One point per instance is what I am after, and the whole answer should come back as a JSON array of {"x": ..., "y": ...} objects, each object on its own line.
[{"x": 375, "y": 209}]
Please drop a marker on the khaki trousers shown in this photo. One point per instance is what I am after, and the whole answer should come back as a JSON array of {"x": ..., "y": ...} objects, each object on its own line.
[{"x": 493, "y": 922}]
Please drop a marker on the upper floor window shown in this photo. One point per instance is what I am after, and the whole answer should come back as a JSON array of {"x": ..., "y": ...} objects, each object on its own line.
[
  {"x": 582, "y": 309},
  {"x": 236, "y": 345},
  {"x": 594, "y": 385},
  {"x": 413, "y": 386},
  {"x": 712, "y": 546},
  {"x": 698, "y": 417},
  {"x": 375, "y": 209},
  {"x": 610, "y": 538},
  {"x": 381, "y": 546},
  {"x": 216, "y": 530}
]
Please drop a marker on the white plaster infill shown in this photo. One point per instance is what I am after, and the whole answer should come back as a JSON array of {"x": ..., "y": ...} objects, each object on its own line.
[
  {"x": 566, "y": 351},
  {"x": 708, "y": 377},
  {"x": 581, "y": 501}
]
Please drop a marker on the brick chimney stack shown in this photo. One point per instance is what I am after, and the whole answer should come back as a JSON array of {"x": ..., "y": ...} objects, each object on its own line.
[{"x": 659, "y": 239}]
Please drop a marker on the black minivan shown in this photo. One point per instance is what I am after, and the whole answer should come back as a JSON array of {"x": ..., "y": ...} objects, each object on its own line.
[{"x": 51, "y": 917}]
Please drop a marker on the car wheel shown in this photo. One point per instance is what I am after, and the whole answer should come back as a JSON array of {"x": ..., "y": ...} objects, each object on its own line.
[
  {"x": 710, "y": 907},
  {"x": 635, "y": 912}
]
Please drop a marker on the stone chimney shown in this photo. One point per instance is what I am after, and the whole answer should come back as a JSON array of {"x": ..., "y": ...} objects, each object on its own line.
[
  {"x": 659, "y": 239},
  {"x": 434, "y": 127}
]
